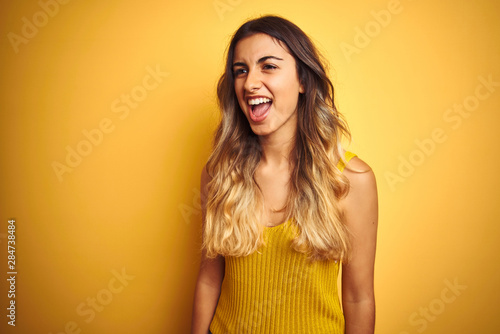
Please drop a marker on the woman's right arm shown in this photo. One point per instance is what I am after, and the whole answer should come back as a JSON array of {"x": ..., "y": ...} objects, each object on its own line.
[{"x": 210, "y": 276}]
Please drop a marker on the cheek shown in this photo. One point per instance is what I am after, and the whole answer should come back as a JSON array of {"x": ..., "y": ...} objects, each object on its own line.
[
  {"x": 241, "y": 103},
  {"x": 292, "y": 92}
]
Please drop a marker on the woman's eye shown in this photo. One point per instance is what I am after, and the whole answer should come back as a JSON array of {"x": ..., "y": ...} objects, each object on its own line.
[
  {"x": 239, "y": 71},
  {"x": 269, "y": 67}
]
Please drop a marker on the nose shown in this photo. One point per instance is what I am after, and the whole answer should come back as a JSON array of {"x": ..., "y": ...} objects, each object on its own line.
[{"x": 253, "y": 81}]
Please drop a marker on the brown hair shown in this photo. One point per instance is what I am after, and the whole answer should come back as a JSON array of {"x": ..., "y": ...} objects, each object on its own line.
[{"x": 234, "y": 201}]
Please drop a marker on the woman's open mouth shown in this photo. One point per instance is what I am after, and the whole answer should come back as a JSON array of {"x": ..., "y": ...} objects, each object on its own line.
[{"x": 259, "y": 108}]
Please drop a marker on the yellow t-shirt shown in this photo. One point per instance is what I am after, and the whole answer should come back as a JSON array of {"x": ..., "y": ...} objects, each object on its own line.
[{"x": 277, "y": 290}]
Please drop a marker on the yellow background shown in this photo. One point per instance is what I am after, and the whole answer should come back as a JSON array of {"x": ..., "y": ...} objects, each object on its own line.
[{"x": 132, "y": 203}]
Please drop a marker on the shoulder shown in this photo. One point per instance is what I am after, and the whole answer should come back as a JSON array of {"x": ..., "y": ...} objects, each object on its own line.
[
  {"x": 358, "y": 171},
  {"x": 362, "y": 183}
]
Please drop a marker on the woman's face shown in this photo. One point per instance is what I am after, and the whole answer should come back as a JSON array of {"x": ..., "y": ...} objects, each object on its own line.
[{"x": 267, "y": 85}]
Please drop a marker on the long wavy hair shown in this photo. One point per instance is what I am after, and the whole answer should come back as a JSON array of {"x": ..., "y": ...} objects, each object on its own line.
[{"x": 235, "y": 202}]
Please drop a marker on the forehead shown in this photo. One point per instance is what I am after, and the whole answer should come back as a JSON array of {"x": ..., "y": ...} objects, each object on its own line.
[{"x": 259, "y": 45}]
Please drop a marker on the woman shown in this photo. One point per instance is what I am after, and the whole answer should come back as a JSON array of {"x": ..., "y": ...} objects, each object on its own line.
[{"x": 283, "y": 204}]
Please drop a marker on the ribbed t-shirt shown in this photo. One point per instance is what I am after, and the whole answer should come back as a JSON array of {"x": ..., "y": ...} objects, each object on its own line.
[{"x": 277, "y": 290}]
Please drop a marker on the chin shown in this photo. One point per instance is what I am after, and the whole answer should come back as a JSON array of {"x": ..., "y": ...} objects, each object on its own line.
[{"x": 259, "y": 130}]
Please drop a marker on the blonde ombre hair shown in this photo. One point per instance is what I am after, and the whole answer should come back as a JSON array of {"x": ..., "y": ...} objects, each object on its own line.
[{"x": 234, "y": 200}]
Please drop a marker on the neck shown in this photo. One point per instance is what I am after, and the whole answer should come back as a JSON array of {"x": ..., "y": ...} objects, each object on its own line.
[{"x": 276, "y": 150}]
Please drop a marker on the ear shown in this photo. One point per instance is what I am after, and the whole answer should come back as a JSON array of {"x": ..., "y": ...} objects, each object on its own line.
[{"x": 302, "y": 89}]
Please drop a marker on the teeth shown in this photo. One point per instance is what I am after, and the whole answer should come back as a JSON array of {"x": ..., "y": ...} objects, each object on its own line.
[{"x": 254, "y": 102}]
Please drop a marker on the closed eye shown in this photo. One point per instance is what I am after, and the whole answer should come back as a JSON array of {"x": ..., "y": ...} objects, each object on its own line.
[{"x": 270, "y": 67}]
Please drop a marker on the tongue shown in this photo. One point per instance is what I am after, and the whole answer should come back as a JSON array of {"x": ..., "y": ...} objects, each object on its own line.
[{"x": 260, "y": 109}]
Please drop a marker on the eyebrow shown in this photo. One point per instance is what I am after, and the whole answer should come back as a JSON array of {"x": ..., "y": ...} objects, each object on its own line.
[{"x": 261, "y": 60}]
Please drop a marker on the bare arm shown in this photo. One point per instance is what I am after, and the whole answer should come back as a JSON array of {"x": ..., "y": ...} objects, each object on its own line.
[
  {"x": 360, "y": 208},
  {"x": 209, "y": 280}
]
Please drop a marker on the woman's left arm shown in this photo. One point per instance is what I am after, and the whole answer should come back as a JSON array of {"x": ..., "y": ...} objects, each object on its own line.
[{"x": 360, "y": 209}]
